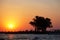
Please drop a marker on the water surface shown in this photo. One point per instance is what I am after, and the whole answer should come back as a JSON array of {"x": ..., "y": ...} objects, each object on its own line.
[{"x": 29, "y": 37}]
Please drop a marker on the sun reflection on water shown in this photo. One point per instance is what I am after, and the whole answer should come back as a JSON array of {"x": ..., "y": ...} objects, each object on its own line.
[{"x": 10, "y": 36}]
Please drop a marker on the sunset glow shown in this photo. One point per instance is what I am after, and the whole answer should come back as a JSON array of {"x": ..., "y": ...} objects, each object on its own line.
[
  {"x": 10, "y": 26},
  {"x": 15, "y": 15}
]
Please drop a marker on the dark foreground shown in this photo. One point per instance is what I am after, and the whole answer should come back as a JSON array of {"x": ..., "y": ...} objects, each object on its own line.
[{"x": 32, "y": 32}]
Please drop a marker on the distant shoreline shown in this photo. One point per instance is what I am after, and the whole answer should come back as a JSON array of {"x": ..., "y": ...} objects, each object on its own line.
[{"x": 33, "y": 32}]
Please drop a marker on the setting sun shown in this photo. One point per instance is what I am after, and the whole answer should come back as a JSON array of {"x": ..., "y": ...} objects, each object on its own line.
[{"x": 11, "y": 26}]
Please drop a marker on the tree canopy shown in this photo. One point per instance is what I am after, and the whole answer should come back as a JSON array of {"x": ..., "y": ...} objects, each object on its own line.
[{"x": 41, "y": 23}]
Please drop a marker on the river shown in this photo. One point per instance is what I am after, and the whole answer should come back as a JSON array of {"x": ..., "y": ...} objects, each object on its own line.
[{"x": 29, "y": 37}]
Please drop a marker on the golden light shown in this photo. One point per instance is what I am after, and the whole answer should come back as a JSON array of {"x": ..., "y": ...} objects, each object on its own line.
[{"x": 11, "y": 26}]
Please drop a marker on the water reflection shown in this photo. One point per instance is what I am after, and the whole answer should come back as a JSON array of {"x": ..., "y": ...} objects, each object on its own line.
[
  {"x": 17, "y": 37},
  {"x": 10, "y": 36},
  {"x": 29, "y": 37}
]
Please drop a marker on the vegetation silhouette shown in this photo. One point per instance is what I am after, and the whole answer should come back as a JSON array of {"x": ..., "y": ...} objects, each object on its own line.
[
  {"x": 41, "y": 23},
  {"x": 2, "y": 39}
]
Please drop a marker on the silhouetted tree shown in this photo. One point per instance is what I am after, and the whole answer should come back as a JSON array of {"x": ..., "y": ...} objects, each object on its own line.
[{"x": 41, "y": 23}]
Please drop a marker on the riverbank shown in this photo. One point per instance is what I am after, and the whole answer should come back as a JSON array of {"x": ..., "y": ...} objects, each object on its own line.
[{"x": 32, "y": 32}]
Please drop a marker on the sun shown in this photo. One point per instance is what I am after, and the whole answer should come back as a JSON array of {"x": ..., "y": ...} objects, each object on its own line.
[{"x": 11, "y": 26}]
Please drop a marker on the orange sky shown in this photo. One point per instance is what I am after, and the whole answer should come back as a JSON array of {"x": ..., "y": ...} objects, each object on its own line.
[{"x": 21, "y": 12}]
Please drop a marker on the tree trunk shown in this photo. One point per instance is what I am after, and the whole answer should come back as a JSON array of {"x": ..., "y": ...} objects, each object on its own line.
[
  {"x": 35, "y": 29},
  {"x": 43, "y": 29}
]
